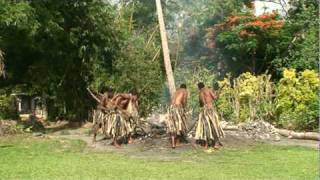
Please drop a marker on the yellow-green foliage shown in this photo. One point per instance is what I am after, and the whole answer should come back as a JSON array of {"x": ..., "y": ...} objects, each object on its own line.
[
  {"x": 225, "y": 101},
  {"x": 292, "y": 103},
  {"x": 245, "y": 88},
  {"x": 297, "y": 99},
  {"x": 248, "y": 97},
  {"x": 246, "y": 85}
]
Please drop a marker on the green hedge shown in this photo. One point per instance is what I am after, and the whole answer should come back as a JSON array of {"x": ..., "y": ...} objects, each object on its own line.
[{"x": 291, "y": 103}]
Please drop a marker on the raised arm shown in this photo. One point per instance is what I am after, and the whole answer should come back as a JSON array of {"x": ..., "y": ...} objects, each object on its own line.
[
  {"x": 93, "y": 95},
  {"x": 134, "y": 100},
  {"x": 116, "y": 99}
]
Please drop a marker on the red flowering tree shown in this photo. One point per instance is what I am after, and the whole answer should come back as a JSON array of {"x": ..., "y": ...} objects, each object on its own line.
[{"x": 246, "y": 42}]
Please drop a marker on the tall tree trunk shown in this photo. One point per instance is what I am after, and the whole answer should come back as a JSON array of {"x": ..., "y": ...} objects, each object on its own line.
[
  {"x": 1, "y": 130},
  {"x": 254, "y": 61},
  {"x": 165, "y": 49},
  {"x": 2, "y": 72}
]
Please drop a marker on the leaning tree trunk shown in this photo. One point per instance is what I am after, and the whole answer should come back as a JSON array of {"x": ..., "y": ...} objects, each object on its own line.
[
  {"x": 1, "y": 130},
  {"x": 2, "y": 73},
  {"x": 165, "y": 49}
]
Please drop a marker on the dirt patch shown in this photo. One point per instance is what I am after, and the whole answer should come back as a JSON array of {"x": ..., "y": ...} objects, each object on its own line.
[
  {"x": 159, "y": 147},
  {"x": 146, "y": 147},
  {"x": 296, "y": 142}
]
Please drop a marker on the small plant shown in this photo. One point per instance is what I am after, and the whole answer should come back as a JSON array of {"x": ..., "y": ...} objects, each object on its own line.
[{"x": 7, "y": 106}]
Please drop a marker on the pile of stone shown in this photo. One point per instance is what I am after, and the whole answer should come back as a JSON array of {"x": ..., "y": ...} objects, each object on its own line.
[
  {"x": 9, "y": 127},
  {"x": 260, "y": 130},
  {"x": 155, "y": 124}
]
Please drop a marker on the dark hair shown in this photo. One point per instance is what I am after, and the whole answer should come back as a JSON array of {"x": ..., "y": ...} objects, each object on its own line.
[
  {"x": 109, "y": 89},
  {"x": 183, "y": 86},
  {"x": 106, "y": 89},
  {"x": 200, "y": 85},
  {"x": 133, "y": 92}
]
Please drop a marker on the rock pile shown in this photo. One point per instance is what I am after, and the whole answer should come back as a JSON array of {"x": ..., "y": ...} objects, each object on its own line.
[
  {"x": 9, "y": 127},
  {"x": 260, "y": 130},
  {"x": 257, "y": 130},
  {"x": 156, "y": 124}
]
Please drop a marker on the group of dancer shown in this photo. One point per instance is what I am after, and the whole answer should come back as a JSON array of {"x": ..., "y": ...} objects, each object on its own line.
[
  {"x": 117, "y": 115},
  {"x": 208, "y": 131}
]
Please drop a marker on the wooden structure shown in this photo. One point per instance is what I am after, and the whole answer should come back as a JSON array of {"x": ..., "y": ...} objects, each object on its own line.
[{"x": 30, "y": 104}]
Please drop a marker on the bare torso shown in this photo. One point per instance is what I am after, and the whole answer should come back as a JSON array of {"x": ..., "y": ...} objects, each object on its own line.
[
  {"x": 180, "y": 97},
  {"x": 105, "y": 101},
  {"x": 206, "y": 97},
  {"x": 121, "y": 100}
]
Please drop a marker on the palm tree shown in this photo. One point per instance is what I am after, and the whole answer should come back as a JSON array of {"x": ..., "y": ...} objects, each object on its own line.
[{"x": 165, "y": 49}]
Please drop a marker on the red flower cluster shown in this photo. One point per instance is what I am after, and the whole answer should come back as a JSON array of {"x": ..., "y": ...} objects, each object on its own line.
[
  {"x": 265, "y": 21},
  {"x": 233, "y": 19},
  {"x": 268, "y": 16},
  {"x": 276, "y": 24}
]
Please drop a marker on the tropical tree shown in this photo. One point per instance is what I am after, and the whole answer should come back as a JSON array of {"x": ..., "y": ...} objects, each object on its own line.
[
  {"x": 246, "y": 42},
  {"x": 299, "y": 43},
  {"x": 54, "y": 48}
]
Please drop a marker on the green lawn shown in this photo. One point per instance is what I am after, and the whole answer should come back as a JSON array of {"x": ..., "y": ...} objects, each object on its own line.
[{"x": 29, "y": 158}]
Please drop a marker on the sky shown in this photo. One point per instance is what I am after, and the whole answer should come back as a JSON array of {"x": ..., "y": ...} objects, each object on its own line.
[{"x": 270, "y": 6}]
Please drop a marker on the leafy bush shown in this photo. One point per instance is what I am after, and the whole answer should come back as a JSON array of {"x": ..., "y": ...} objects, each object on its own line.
[
  {"x": 7, "y": 107},
  {"x": 250, "y": 97},
  {"x": 297, "y": 100},
  {"x": 247, "y": 97},
  {"x": 225, "y": 101},
  {"x": 139, "y": 69}
]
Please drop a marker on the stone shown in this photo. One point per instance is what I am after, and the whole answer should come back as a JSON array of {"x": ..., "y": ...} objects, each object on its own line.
[
  {"x": 258, "y": 130},
  {"x": 277, "y": 138},
  {"x": 37, "y": 134}
]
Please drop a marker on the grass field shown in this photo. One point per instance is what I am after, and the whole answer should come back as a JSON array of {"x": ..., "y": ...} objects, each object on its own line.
[{"x": 24, "y": 157}]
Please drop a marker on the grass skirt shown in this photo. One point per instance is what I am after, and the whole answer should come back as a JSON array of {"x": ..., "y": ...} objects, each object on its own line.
[
  {"x": 100, "y": 120},
  {"x": 208, "y": 125},
  {"x": 176, "y": 121},
  {"x": 116, "y": 123}
]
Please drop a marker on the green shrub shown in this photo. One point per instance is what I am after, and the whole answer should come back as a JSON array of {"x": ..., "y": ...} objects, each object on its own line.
[
  {"x": 225, "y": 100},
  {"x": 297, "y": 100},
  {"x": 247, "y": 97},
  {"x": 7, "y": 106}
]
